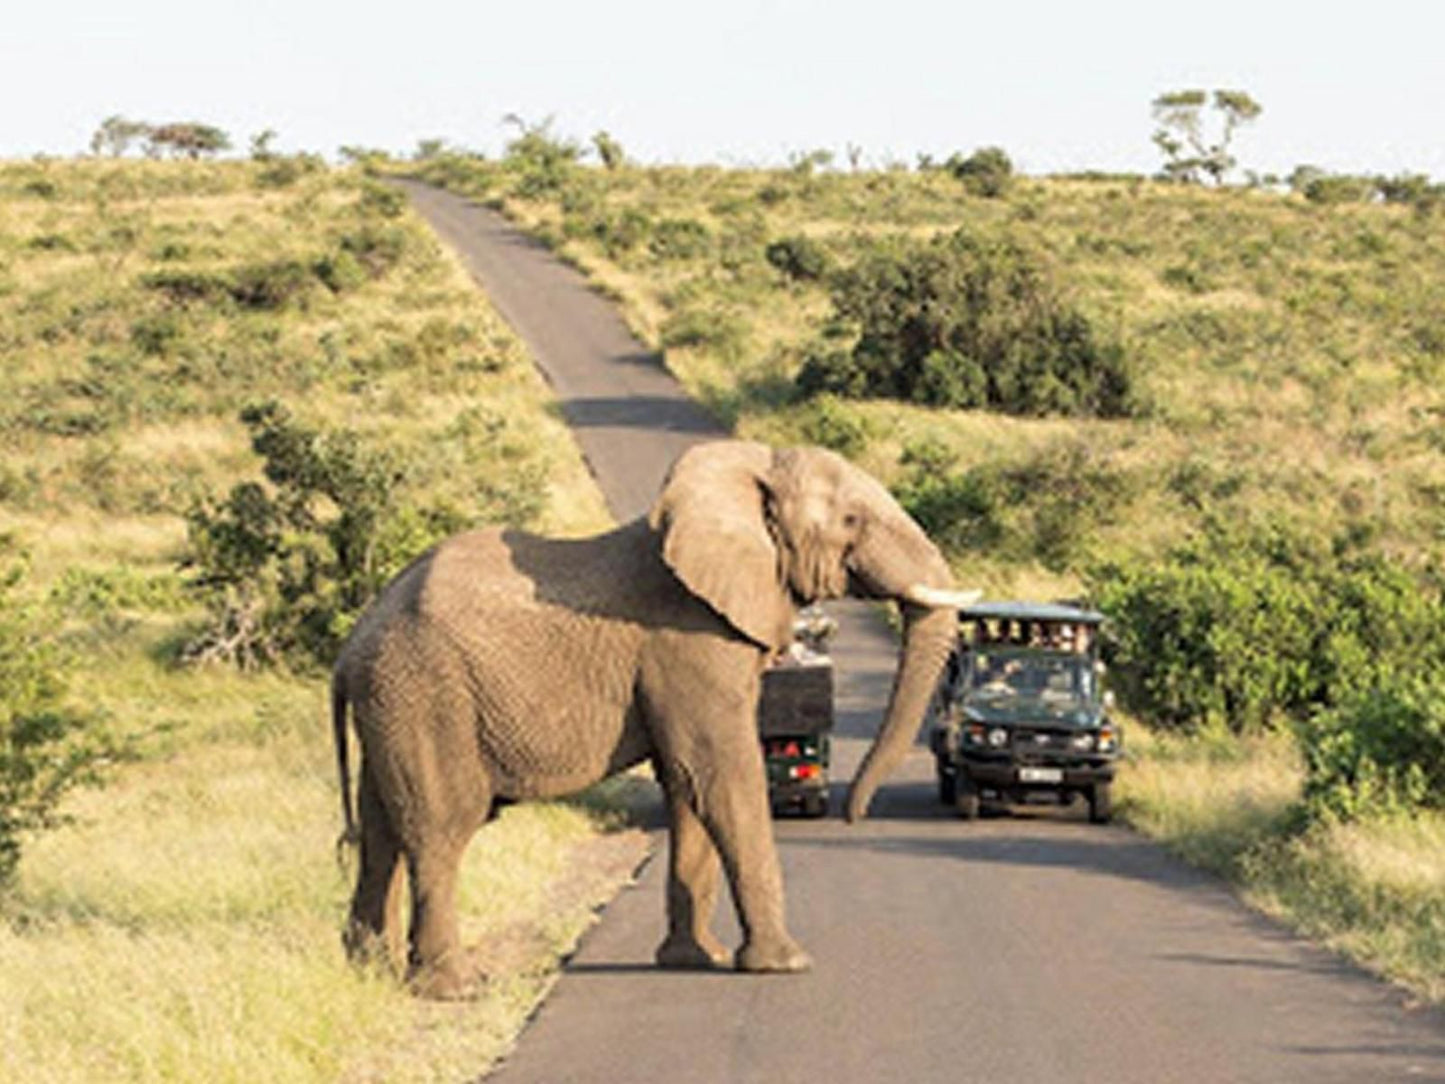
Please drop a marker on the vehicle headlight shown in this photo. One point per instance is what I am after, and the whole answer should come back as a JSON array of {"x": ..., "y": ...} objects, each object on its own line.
[
  {"x": 1082, "y": 742},
  {"x": 998, "y": 737}
]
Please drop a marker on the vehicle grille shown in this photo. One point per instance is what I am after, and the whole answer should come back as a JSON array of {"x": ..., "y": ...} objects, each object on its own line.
[{"x": 1041, "y": 746}]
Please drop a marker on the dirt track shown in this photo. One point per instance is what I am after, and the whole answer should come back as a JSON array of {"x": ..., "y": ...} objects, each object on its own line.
[{"x": 1034, "y": 948}]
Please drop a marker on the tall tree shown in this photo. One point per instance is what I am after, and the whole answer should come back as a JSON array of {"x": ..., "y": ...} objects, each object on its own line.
[
  {"x": 1189, "y": 156},
  {"x": 116, "y": 134},
  {"x": 187, "y": 138}
]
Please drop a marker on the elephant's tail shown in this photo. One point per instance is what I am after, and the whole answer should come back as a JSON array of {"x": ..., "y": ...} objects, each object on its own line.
[{"x": 350, "y": 837}]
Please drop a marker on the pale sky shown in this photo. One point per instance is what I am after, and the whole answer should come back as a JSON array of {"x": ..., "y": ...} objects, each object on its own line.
[{"x": 1060, "y": 86}]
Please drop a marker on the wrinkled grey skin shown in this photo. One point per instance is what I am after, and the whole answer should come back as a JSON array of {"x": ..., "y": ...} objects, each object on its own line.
[{"x": 504, "y": 666}]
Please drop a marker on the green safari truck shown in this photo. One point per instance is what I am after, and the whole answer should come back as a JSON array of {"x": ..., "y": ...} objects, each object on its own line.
[{"x": 1020, "y": 715}]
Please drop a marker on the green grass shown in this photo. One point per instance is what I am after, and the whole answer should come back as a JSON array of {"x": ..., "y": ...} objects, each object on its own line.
[{"x": 186, "y": 924}]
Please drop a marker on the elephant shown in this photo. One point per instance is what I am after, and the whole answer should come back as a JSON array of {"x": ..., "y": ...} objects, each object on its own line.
[{"x": 501, "y": 666}]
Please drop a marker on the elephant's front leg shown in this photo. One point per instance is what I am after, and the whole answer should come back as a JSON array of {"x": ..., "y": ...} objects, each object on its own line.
[
  {"x": 718, "y": 765},
  {"x": 693, "y": 876}
]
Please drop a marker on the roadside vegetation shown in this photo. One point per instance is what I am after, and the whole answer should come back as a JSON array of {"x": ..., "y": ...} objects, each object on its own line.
[
  {"x": 235, "y": 397},
  {"x": 1215, "y": 410}
]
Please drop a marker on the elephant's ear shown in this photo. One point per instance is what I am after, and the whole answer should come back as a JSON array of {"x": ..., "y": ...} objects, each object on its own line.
[{"x": 712, "y": 515}]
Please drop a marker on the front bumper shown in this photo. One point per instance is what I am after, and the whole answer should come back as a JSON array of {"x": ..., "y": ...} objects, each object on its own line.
[{"x": 1010, "y": 774}]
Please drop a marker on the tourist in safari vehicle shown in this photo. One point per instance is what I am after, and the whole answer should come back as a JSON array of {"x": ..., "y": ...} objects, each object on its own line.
[{"x": 1020, "y": 715}]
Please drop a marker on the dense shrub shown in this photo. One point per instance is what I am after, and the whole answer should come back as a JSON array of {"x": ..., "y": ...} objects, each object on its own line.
[
  {"x": 381, "y": 201},
  {"x": 270, "y": 285},
  {"x": 618, "y": 232},
  {"x": 285, "y": 569},
  {"x": 541, "y": 163},
  {"x": 967, "y": 320},
  {"x": 378, "y": 248},
  {"x": 1243, "y": 627},
  {"x": 186, "y": 287},
  {"x": 1381, "y": 750},
  {"x": 46, "y": 748},
  {"x": 282, "y": 171},
  {"x": 679, "y": 239},
  {"x": 799, "y": 258},
  {"x": 987, "y": 172},
  {"x": 831, "y": 423}
]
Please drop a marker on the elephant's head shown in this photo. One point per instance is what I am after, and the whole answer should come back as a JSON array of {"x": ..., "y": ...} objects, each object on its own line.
[{"x": 755, "y": 532}]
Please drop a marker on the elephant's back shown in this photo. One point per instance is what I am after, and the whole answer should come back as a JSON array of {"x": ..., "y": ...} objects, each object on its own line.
[{"x": 532, "y": 635}]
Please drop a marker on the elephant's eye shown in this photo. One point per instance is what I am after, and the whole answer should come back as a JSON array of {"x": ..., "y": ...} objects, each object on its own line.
[{"x": 851, "y": 520}]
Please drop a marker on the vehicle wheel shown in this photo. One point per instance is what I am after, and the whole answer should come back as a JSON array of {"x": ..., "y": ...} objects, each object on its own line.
[
  {"x": 966, "y": 798},
  {"x": 1101, "y": 804},
  {"x": 947, "y": 787}
]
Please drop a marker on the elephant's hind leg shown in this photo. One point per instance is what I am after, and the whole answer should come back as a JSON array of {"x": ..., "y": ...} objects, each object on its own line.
[
  {"x": 693, "y": 877},
  {"x": 452, "y": 798},
  {"x": 373, "y": 930},
  {"x": 437, "y": 966}
]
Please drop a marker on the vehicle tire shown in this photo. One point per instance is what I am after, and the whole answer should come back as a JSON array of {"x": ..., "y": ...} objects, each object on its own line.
[
  {"x": 947, "y": 787},
  {"x": 966, "y": 798},
  {"x": 1101, "y": 803}
]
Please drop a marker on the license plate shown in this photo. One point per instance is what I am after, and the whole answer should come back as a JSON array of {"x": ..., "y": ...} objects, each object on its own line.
[{"x": 1041, "y": 775}]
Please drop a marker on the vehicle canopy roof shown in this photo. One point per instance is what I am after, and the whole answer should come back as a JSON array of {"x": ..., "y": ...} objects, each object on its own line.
[{"x": 1030, "y": 611}]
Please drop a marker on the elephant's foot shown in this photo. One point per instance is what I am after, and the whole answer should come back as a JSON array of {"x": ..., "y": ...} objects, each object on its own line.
[
  {"x": 367, "y": 948},
  {"x": 784, "y": 955},
  {"x": 450, "y": 979},
  {"x": 691, "y": 954}
]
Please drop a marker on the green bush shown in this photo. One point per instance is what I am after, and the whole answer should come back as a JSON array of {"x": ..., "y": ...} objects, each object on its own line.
[
  {"x": 284, "y": 570},
  {"x": 799, "y": 258},
  {"x": 1382, "y": 750},
  {"x": 270, "y": 285},
  {"x": 618, "y": 232},
  {"x": 46, "y": 748},
  {"x": 378, "y": 248},
  {"x": 679, "y": 239},
  {"x": 970, "y": 321},
  {"x": 379, "y": 200},
  {"x": 283, "y": 171},
  {"x": 829, "y": 422},
  {"x": 541, "y": 163},
  {"x": 1244, "y": 627},
  {"x": 188, "y": 287},
  {"x": 341, "y": 271},
  {"x": 156, "y": 334},
  {"x": 986, "y": 172}
]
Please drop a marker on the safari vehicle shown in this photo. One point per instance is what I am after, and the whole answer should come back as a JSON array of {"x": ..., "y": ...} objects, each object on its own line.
[
  {"x": 795, "y": 716},
  {"x": 1019, "y": 715}
]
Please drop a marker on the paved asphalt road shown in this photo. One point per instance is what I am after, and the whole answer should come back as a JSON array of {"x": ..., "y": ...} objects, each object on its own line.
[{"x": 1034, "y": 948}]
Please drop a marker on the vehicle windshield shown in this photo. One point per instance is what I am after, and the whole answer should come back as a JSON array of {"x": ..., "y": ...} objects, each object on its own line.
[{"x": 1057, "y": 679}]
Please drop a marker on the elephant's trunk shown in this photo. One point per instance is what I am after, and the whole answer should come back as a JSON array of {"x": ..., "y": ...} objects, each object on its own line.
[
  {"x": 928, "y": 636},
  {"x": 899, "y": 561}
]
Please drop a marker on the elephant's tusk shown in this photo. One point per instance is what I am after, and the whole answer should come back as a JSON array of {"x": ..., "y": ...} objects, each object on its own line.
[{"x": 939, "y": 598}]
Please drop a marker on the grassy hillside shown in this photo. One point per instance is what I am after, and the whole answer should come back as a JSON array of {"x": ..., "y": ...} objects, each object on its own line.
[
  {"x": 186, "y": 925},
  {"x": 1288, "y": 356},
  {"x": 1270, "y": 494}
]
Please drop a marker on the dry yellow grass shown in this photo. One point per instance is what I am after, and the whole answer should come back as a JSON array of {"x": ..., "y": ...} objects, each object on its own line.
[{"x": 1373, "y": 889}]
